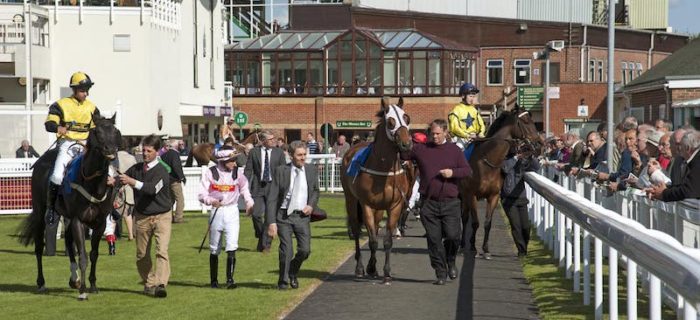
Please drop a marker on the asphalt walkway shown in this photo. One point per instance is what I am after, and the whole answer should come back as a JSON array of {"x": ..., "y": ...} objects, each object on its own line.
[{"x": 485, "y": 289}]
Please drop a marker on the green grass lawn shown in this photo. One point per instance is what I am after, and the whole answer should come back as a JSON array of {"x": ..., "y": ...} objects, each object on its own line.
[{"x": 188, "y": 293}]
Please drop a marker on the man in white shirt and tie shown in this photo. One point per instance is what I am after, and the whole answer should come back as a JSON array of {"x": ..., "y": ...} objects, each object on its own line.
[
  {"x": 293, "y": 195},
  {"x": 260, "y": 172}
]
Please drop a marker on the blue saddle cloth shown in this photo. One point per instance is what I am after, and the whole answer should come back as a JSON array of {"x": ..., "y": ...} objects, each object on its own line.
[
  {"x": 72, "y": 172},
  {"x": 468, "y": 151},
  {"x": 358, "y": 160}
]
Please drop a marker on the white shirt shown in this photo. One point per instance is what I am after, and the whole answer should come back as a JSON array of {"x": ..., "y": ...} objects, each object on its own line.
[
  {"x": 264, "y": 150},
  {"x": 138, "y": 185},
  {"x": 298, "y": 200}
]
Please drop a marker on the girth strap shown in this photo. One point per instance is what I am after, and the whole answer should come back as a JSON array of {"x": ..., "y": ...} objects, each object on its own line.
[
  {"x": 86, "y": 194},
  {"x": 382, "y": 173}
]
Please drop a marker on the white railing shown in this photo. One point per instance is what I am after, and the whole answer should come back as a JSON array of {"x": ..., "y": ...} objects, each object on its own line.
[
  {"x": 15, "y": 183},
  {"x": 560, "y": 215}
]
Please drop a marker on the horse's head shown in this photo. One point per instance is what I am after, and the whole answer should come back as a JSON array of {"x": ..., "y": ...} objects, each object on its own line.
[
  {"x": 395, "y": 123},
  {"x": 104, "y": 138},
  {"x": 524, "y": 129}
]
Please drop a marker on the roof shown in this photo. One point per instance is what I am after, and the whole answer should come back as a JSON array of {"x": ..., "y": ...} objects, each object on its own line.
[
  {"x": 402, "y": 39},
  {"x": 683, "y": 64}
]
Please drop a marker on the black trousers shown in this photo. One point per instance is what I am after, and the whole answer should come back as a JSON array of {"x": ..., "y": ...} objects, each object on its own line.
[
  {"x": 259, "y": 223},
  {"x": 516, "y": 211},
  {"x": 442, "y": 223}
]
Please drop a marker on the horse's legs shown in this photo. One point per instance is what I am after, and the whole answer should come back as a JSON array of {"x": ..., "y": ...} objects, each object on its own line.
[
  {"x": 490, "y": 208},
  {"x": 372, "y": 230},
  {"x": 94, "y": 254},
  {"x": 352, "y": 206},
  {"x": 394, "y": 216},
  {"x": 39, "y": 252},
  {"x": 79, "y": 241},
  {"x": 74, "y": 281},
  {"x": 470, "y": 214}
]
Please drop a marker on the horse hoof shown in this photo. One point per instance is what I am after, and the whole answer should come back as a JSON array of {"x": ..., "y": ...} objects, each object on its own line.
[
  {"x": 83, "y": 296},
  {"x": 74, "y": 284},
  {"x": 42, "y": 290},
  {"x": 487, "y": 256},
  {"x": 387, "y": 281}
]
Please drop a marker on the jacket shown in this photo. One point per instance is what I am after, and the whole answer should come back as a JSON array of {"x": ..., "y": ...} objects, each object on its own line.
[
  {"x": 76, "y": 116},
  {"x": 465, "y": 120}
]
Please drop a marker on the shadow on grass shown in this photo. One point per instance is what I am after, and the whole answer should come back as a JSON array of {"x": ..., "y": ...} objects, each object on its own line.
[
  {"x": 28, "y": 252},
  {"x": 25, "y": 288}
]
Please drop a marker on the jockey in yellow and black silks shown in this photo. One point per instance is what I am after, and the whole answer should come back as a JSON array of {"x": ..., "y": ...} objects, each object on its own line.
[
  {"x": 71, "y": 119},
  {"x": 465, "y": 122}
]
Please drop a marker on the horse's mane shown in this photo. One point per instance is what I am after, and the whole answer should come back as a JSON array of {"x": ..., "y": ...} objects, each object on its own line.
[{"x": 505, "y": 119}]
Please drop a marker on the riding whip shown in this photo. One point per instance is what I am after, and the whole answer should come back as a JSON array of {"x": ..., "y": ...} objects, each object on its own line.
[{"x": 208, "y": 227}]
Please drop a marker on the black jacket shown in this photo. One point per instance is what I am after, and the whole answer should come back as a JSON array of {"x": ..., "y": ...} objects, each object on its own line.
[
  {"x": 689, "y": 187},
  {"x": 253, "y": 168},
  {"x": 514, "y": 170},
  {"x": 172, "y": 159},
  {"x": 32, "y": 153}
]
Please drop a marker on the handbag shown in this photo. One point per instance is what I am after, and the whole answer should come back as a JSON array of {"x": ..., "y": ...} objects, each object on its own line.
[{"x": 318, "y": 214}]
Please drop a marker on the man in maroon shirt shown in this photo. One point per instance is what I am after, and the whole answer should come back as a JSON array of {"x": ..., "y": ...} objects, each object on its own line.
[{"x": 441, "y": 165}]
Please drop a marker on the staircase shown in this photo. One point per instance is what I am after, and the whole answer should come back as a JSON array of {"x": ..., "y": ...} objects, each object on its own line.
[{"x": 247, "y": 24}]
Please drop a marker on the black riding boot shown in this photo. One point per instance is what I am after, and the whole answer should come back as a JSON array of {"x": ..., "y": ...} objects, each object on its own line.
[
  {"x": 50, "y": 216},
  {"x": 230, "y": 268},
  {"x": 214, "y": 270}
]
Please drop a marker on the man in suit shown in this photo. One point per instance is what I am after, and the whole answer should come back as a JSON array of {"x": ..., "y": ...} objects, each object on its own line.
[
  {"x": 292, "y": 196},
  {"x": 678, "y": 165},
  {"x": 689, "y": 188},
  {"x": 260, "y": 171},
  {"x": 574, "y": 143},
  {"x": 26, "y": 151}
]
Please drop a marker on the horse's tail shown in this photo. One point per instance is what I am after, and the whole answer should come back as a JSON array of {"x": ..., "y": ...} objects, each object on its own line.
[
  {"x": 190, "y": 157},
  {"x": 31, "y": 228}
]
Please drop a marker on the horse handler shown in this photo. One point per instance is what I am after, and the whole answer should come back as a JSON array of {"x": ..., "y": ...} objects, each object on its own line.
[
  {"x": 441, "y": 166},
  {"x": 221, "y": 186},
  {"x": 152, "y": 209}
]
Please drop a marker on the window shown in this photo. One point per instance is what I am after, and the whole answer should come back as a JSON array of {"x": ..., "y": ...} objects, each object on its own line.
[
  {"x": 601, "y": 71},
  {"x": 591, "y": 70},
  {"x": 624, "y": 73},
  {"x": 494, "y": 72},
  {"x": 522, "y": 71},
  {"x": 631, "y": 69},
  {"x": 640, "y": 70},
  {"x": 121, "y": 43}
]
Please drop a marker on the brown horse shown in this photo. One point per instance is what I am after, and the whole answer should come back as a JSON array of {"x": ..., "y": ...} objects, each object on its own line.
[
  {"x": 509, "y": 129},
  {"x": 204, "y": 152},
  {"x": 381, "y": 185}
]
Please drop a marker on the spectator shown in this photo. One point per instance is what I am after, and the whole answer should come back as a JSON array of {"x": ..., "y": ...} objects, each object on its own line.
[
  {"x": 513, "y": 195},
  {"x": 689, "y": 188},
  {"x": 617, "y": 178},
  {"x": 355, "y": 140},
  {"x": 125, "y": 206},
  {"x": 340, "y": 147},
  {"x": 597, "y": 153},
  {"x": 26, "y": 151},
  {"x": 677, "y": 167},
  {"x": 665, "y": 153},
  {"x": 181, "y": 148},
  {"x": 153, "y": 217},
  {"x": 171, "y": 158},
  {"x": 576, "y": 156},
  {"x": 280, "y": 142},
  {"x": 312, "y": 144},
  {"x": 661, "y": 126}
]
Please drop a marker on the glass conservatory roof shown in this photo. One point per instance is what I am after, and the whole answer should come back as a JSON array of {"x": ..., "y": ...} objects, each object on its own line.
[{"x": 405, "y": 39}]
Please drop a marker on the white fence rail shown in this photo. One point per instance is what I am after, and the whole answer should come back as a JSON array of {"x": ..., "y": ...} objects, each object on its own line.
[
  {"x": 564, "y": 218},
  {"x": 15, "y": 183}
]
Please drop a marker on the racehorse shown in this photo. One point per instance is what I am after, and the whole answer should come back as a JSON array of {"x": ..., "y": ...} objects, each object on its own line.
[
  {"x": 381, "y": 185},
  {"x": 511, "y": 128},
  {"x": 86, "y": 205},
  {"x": 204, "y": 152}
]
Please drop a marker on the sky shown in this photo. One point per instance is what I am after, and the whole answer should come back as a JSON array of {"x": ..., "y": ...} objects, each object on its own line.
[{"x": 683, "y": 16}]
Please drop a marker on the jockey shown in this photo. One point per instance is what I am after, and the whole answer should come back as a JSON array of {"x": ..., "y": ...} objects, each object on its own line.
[
  {"x": 222, "y": 185},
  {"x": 71, "y": 119},
  {"x": 465, "y": 122}
]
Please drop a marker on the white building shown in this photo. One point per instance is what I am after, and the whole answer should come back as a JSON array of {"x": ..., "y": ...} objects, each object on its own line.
[{"x": 149, "y": 60}]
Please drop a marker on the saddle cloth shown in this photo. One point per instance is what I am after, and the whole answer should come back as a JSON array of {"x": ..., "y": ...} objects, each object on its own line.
[
  {"x": 72, "y": 172},
  {"x": 358, "y": 160}
]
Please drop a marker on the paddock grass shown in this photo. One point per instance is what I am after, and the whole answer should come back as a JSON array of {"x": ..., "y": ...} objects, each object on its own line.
[{"x": 189, "y": 296}]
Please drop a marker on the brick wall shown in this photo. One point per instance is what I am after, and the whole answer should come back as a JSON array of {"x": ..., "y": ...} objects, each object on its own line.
[
  {"x": 570, "y": 96},
  {"x": 680, "y": 95}
]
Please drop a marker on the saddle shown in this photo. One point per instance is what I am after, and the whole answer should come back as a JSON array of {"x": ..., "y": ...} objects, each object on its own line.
[
  {"x": 358, "y": 161},
  {"x": 71, "y": 175}
]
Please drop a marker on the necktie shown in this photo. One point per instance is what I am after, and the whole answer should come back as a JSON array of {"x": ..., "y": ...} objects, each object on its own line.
[
  {"x": 294, "y": 203},
  {"x": 266, "y": 170},
  {"x": 145, "y": 167}
]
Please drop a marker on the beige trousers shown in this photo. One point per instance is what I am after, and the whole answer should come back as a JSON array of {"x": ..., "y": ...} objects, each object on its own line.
[{"x": 148, "y": 227}]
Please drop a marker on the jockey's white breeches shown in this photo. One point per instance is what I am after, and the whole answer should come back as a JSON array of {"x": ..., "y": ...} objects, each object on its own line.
[
  {"x": 227, "y": 222},
  {"x": 415, "y": 196},
  {"x": 67, "y": 150}
]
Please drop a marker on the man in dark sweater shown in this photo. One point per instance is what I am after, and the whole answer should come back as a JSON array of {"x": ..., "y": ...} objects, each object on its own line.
[
  {"x": 177, "y": 177},
  {"x": 441, "y": 165},
  {"x": 152, "y": 209}
]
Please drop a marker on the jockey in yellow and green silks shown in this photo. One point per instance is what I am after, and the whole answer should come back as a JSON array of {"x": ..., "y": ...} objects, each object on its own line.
[{"x": 465, "y": 122}]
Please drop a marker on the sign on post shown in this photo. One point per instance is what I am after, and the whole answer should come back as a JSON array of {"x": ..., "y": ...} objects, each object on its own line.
[
  {"x": 530, "y": 97},
  {"x": 241, "y": 118},
  {"x": 353, "y": 124}
]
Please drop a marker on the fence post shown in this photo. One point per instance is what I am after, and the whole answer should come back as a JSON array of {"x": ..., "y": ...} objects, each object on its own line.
[
  {"x": 598, "y": 279},
  {"x": 577, "y": 258},
  {"x": 612, "y": 282},
  {"x": 569, "y": 248},
  {"x": 631, "y": 289},
  {"x": 654, "y": 297},
  {"x": 586, "y": 268}
]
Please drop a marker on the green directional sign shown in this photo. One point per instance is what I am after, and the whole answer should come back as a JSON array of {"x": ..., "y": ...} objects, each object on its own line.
[
  {"x": 530, "y": 97},
  {"x": 241, "y": 118},
  {"x": 353, "y": 124}
]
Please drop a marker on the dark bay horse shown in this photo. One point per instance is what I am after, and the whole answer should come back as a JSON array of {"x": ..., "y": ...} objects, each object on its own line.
[
  {"x": 204, "y": 152},
  {"x": 511, "y": 128},
  {"x": 87, "y": 205},
  {"x": 381, "y": 185}
]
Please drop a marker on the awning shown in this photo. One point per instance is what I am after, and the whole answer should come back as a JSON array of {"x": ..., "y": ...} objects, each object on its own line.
[{"x": 687, "y": 104}]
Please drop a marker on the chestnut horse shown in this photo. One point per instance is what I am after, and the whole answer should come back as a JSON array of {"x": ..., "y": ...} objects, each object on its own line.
[
  {"x": 204, "y": 152},
  {"x": 511, "y": 127},
  {"x": 381, "y": 185}
]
